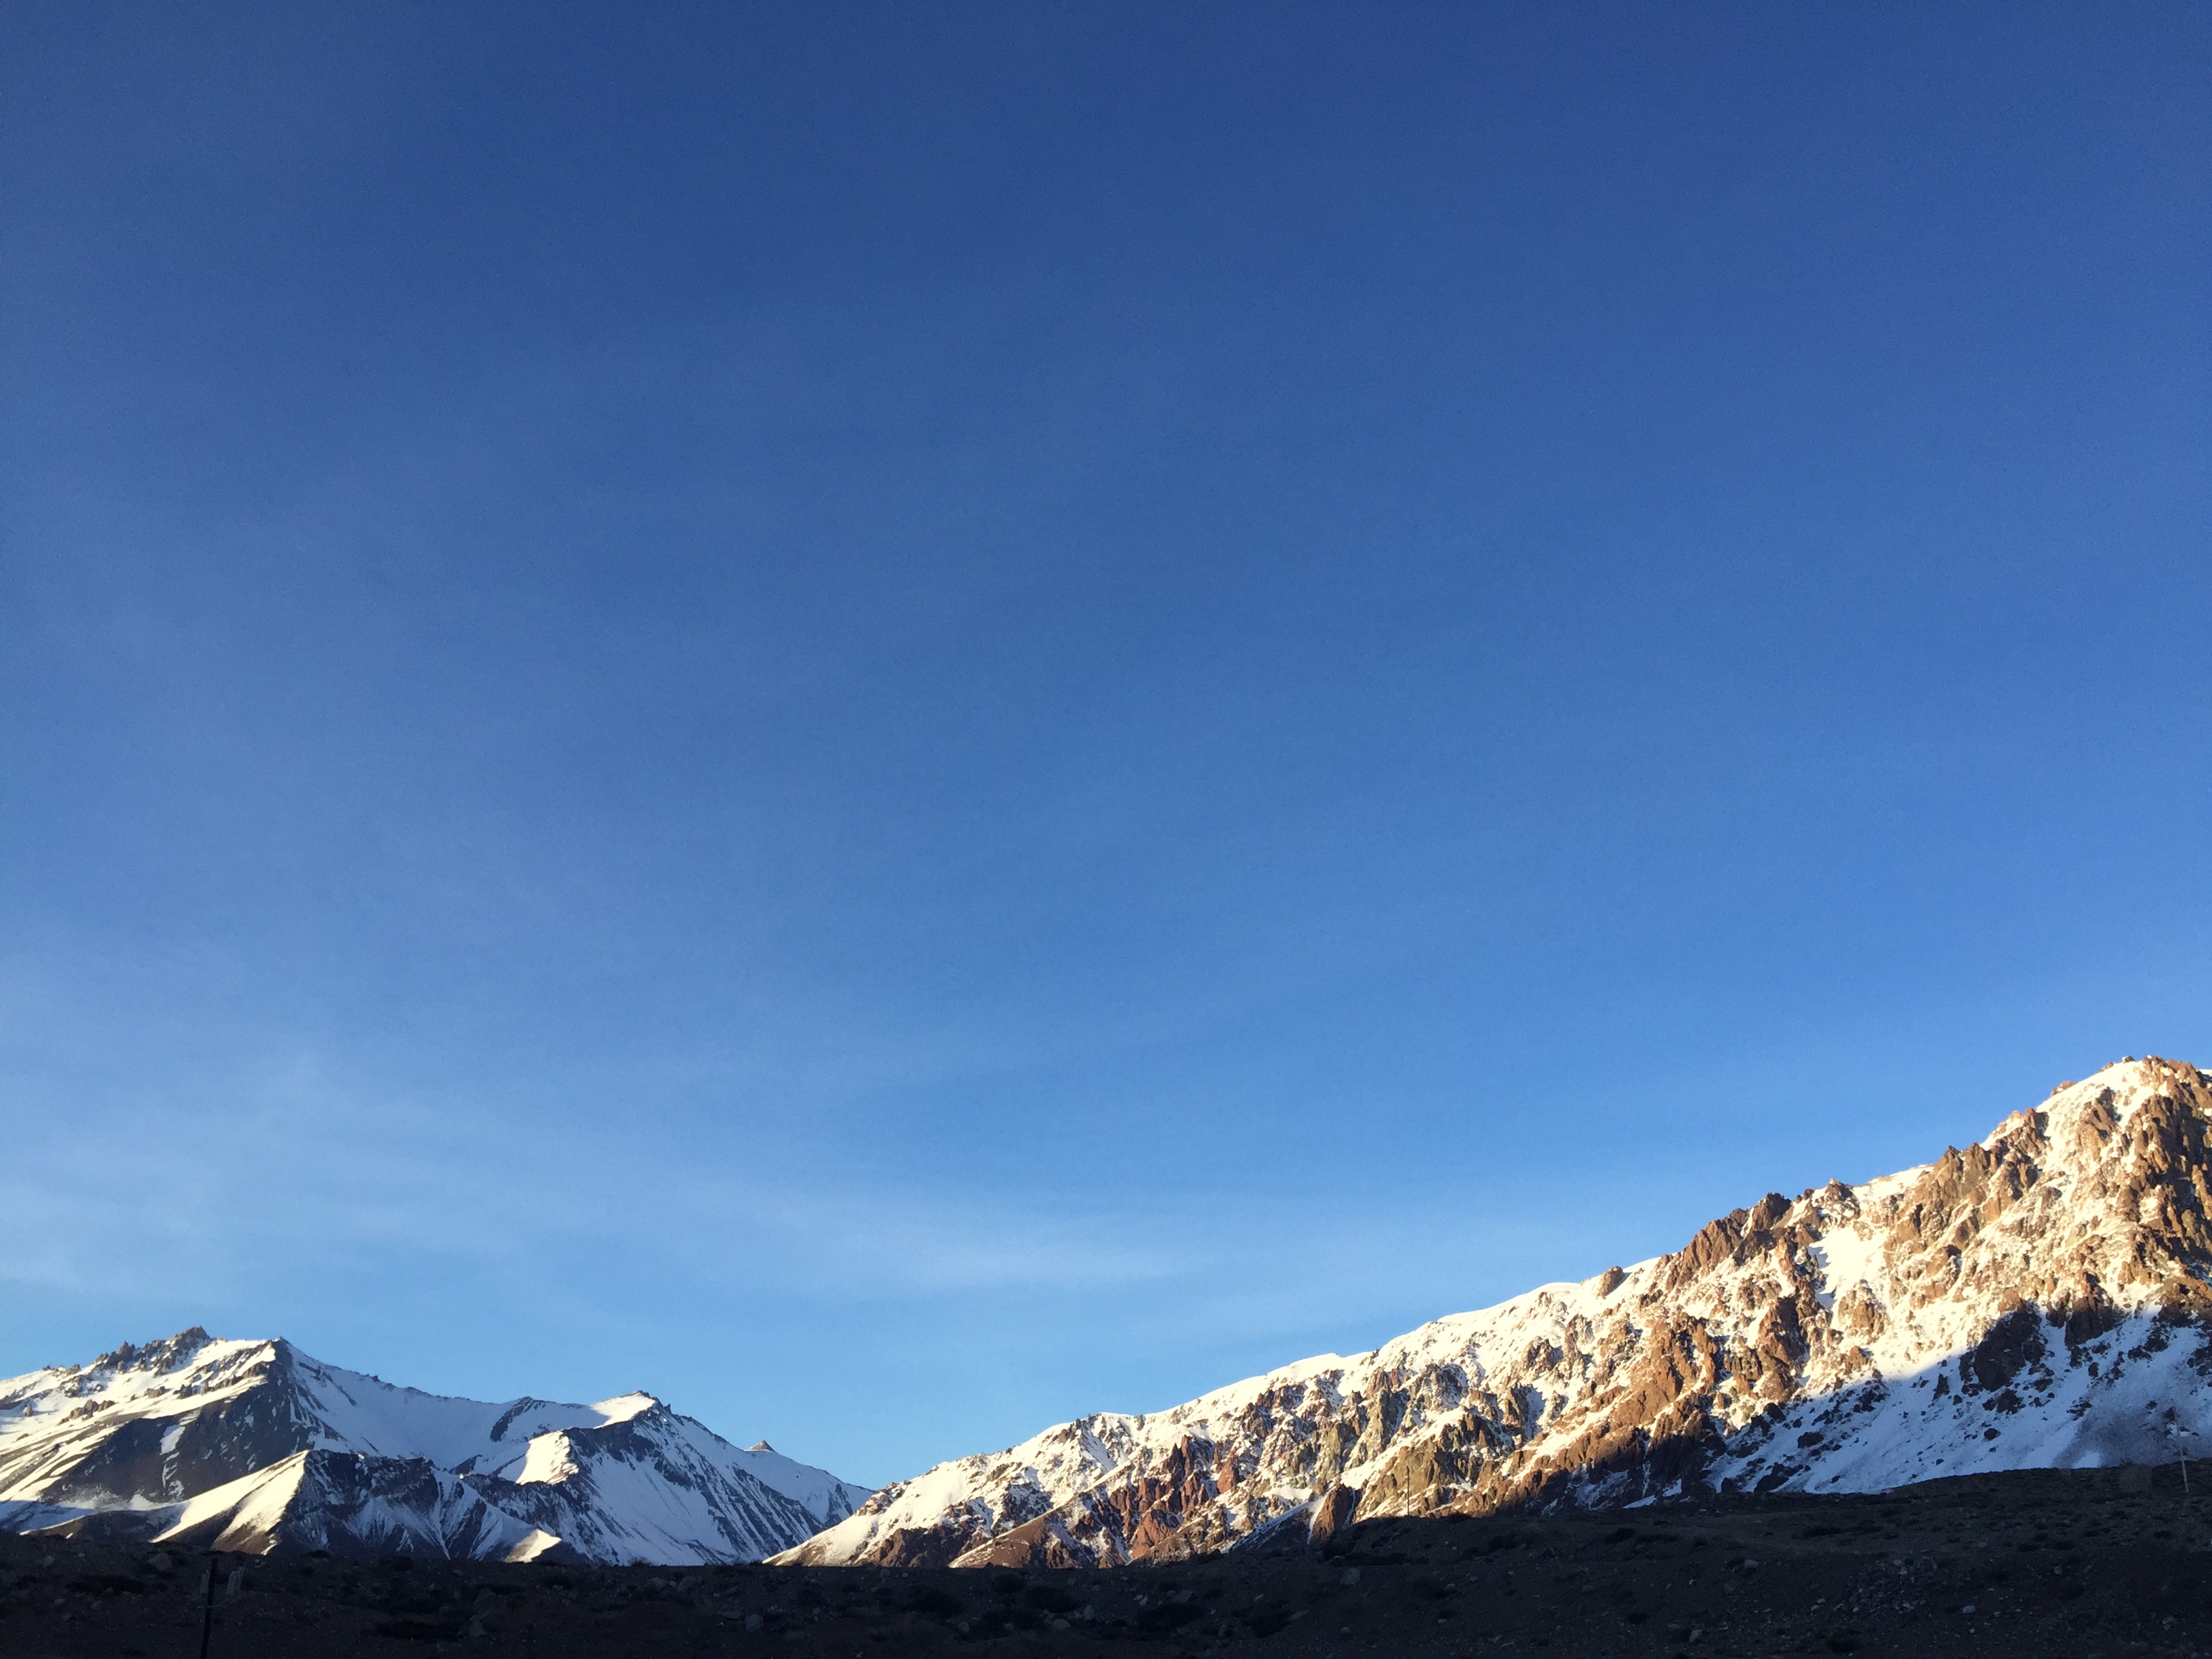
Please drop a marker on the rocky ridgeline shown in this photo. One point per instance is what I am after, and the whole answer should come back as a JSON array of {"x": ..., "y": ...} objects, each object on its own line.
[
  {"x": 2033, "y": 1301},
  {"x": 254, "y": 1446}
]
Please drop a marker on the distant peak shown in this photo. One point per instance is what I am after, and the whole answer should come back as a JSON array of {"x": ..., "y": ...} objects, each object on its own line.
[
  {"x": 625, "y": 1406},
  {"x": 2139, "y": 1065},
  {"x": 158, "y": 1355},
  {"x": 760, "y": 1445},
  {"x": 278, "y": 1452},
  {"x": 2128, "y": 1081}
]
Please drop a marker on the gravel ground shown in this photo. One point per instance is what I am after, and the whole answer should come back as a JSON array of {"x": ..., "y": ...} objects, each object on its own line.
[{"x": 2031, "y": 1566}]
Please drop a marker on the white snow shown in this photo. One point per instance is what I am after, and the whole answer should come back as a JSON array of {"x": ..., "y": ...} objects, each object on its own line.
[
  {"x": 628, "y": 1477},
  {"x": 1848, "y": 1256},
  {"x": 1871, "y": 1394}
]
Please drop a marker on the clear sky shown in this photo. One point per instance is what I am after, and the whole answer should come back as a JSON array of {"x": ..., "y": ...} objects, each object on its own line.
[{"x": 905, "y": 720}]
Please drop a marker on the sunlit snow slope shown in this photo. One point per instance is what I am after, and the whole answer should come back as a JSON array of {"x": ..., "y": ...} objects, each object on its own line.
[
  {"x": 2039, "y": 1299},
  {"x": 255, "y": 1446}
]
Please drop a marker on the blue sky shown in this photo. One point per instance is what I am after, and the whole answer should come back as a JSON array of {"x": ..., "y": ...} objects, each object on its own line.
[{"x": 905, "y": 720}]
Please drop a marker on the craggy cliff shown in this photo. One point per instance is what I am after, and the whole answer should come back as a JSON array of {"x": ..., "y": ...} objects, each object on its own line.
[{"x": 2038, "y": 1299}]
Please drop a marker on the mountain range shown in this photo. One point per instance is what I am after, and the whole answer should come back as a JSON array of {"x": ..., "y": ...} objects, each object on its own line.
[
  {"x": 254, "y": 1446},
  {"x": 2042, "y": 1298},
  {"x": 2038, "y": 1299}
]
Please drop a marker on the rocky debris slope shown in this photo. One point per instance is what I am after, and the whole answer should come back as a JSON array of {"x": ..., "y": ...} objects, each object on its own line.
[
  {"x": 254, "y": 1446},
  {"x": 2034, "y": 1301}
]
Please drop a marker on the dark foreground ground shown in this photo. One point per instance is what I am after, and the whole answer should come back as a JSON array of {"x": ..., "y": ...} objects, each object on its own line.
[{"x": 2027, "y": 1566}]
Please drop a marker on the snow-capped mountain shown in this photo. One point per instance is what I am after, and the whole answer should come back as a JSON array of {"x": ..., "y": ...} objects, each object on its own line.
[
  {"x": 2042, "y": 1298},
  {"x": 254, "y": 1446}
]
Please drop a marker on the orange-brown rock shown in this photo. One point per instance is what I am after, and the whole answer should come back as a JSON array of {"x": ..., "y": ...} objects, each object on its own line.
[{"x": 2036, "y": 1296}]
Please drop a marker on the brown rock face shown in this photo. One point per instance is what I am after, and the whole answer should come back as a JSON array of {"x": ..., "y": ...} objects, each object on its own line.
[
  {"x": 2030, "y": 1300},
  {"x": 1333, "y": 1514}
]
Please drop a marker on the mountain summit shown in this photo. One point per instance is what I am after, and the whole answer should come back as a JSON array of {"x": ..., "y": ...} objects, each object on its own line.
[
  {"x": 254, "y": 1446},
  {"x": 2039, "y": 1299}
]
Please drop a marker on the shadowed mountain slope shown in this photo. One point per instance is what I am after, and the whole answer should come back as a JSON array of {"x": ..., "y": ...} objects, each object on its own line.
[{"x": 254, "y": 1446}]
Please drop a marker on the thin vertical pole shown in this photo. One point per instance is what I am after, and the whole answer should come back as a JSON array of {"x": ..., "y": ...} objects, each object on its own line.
[{"x": 207, "y": 1609}]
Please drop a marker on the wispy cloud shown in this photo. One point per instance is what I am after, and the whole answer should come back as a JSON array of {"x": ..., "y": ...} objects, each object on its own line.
[{"x": 139, "y": 1158}]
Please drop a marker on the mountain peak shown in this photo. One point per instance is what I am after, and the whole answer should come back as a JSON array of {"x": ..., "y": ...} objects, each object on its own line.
[
  {"x": 2042, "y": 1298},
  {"x": 255, "y": 1446},
  {"x": 162, "y": 1354},
  {"x": 623, "y": 1407}
]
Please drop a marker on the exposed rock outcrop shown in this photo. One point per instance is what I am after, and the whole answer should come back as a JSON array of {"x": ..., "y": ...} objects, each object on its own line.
[{"x": 2031, "y": 1300}]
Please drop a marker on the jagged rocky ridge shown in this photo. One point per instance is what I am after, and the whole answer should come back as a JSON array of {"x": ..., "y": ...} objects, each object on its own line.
[
  {"x": 254, "y": 1446},
  {"x": 2039, "y": 1299}
]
